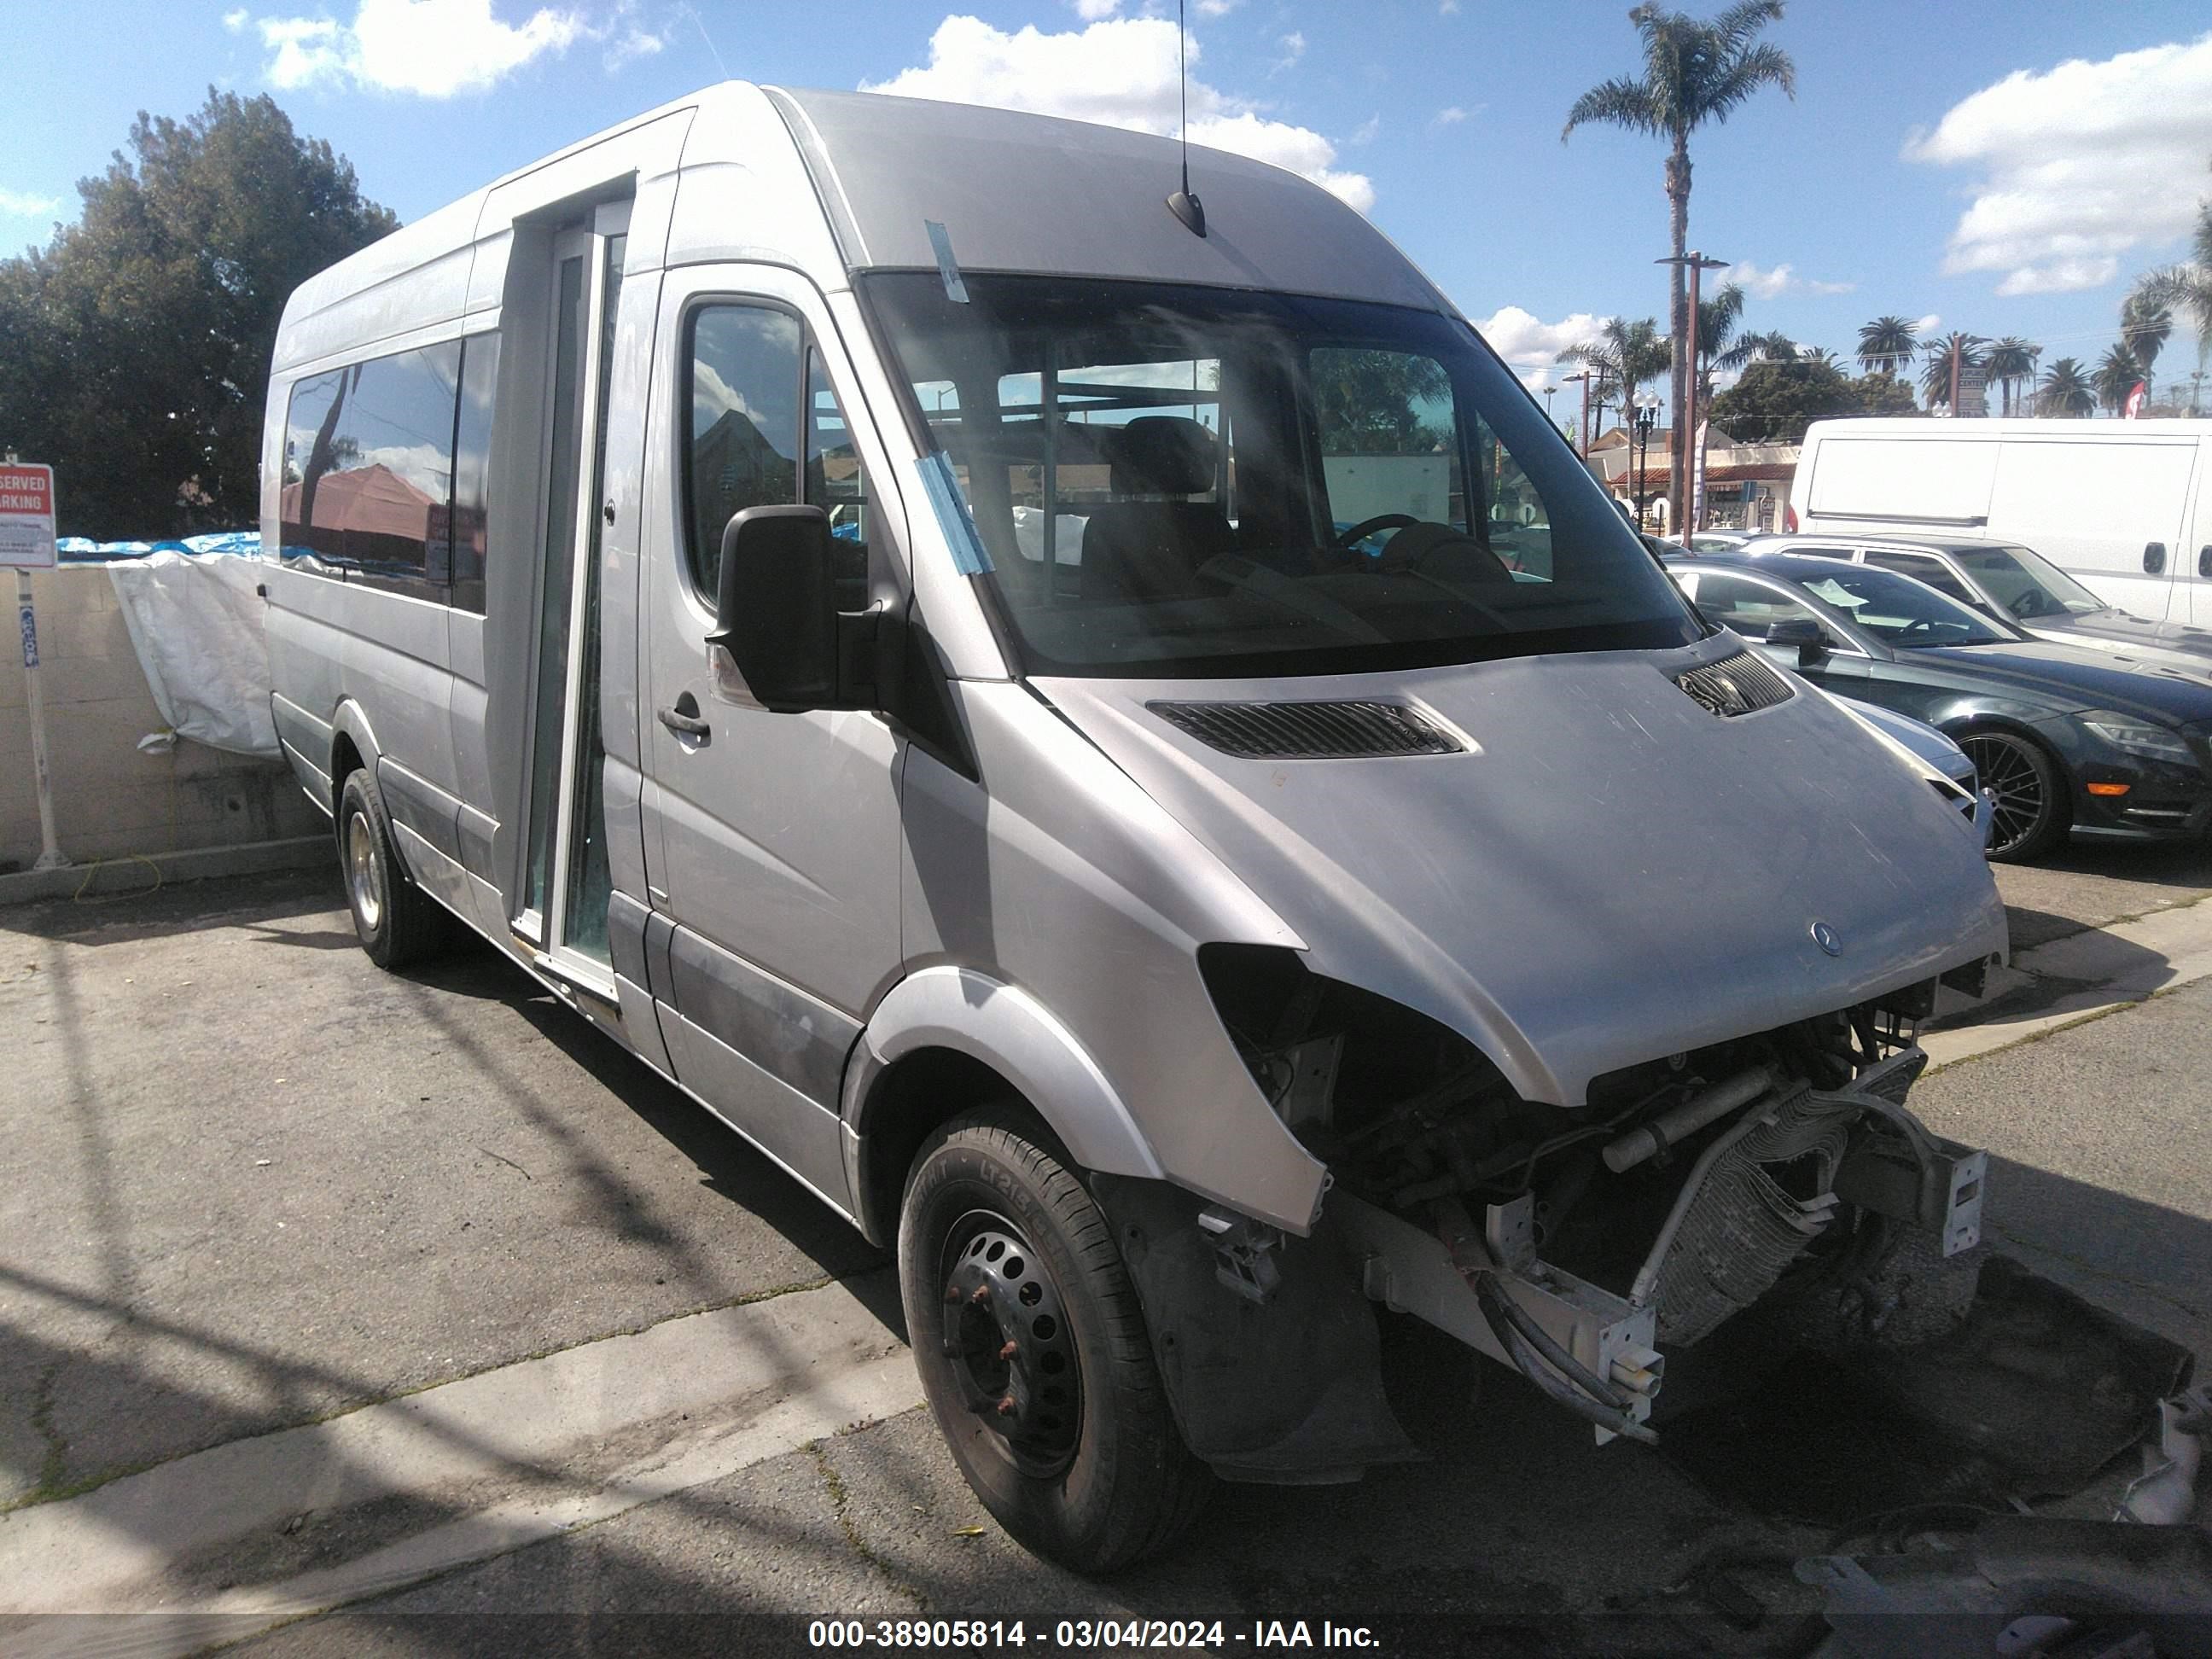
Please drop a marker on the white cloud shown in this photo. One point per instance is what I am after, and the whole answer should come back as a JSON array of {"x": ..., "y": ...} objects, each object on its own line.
[
  {"x": 2079, "y": 165},
  {"x": 1091, "y": 11},
  {"x": 1451, "y": 116},
  {"x": 21, "y": 204},
  {"x": 1927, "y": 323},
  {"x": 236, "y": 21},
  {"x": 1365, "y": 131},
  {"x": 1217, "y": 7},
  {"x": 1532, "y": 347},
  {"x": 1121, "y": 72},
  {"x": 633, "y": 44},
  {"x": 1762, "y": 283},
  {"x": 1447, "y": 8},
  {"x": 433, "y": 48},
  {"x": 1294, "y": 47}
]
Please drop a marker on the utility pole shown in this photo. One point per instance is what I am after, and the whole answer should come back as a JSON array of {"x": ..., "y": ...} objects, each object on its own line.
[
  {"x": 1954, "y": 377},
  {"x": 1685, "y": 431},
  {"x": 1582, "y": 448}
]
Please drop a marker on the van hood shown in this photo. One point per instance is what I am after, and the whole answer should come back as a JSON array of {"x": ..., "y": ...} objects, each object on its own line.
[
  {"x": 2166, "y": 644},
  {"x": 1610, "y": 875}
]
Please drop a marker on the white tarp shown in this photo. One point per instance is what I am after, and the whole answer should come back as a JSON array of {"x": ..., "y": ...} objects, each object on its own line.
[{"x": 196, "y": 624}]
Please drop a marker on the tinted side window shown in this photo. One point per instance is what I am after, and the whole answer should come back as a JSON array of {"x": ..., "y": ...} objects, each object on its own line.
[
  {"x": 1749, "y": 607},
  {"x": 473, "y": 468},
  {"x": 1922, "y": 567},
  {"x": 742, "y": 444},
  {"x": 368, "y": 465}
]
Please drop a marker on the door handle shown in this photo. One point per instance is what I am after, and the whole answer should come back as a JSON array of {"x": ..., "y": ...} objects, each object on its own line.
[
  {"x": 688, "y": 725},
  {"x": 2204, "y": 559},
  {"x": 2153, "y": 558}
]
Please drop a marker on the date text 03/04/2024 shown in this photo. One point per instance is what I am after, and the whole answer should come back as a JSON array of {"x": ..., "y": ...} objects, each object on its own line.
[{"x": 989, "y": 1634}]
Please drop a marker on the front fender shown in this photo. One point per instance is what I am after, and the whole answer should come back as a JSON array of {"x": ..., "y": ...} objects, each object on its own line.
[{"x": 1007, "y": 1030}]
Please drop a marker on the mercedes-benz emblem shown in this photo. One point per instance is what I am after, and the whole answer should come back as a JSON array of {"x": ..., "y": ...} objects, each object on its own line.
[{"x": 1826, "y": 938}]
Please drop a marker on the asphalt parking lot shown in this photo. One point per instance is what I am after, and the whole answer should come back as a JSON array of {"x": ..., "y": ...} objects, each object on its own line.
[{"x": 262, "y": 1186}]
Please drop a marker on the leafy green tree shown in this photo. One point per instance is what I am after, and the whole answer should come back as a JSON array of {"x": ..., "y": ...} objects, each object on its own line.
[
  {"x": 2065, "y": 389},
  {"x": 2009, "y": 361},
  {"x": 1694, "y": 71},
  {"x": 1888, "y": 344},
  {"x": 141, "y": 335},
  {"x": 1718, "y": 345},
  {"x": 2118, "y": 371},
  {"x": 1372, "y": 403},
  {"x": 1935, "y": 370},
  {"x": 1778, "y": 398}
]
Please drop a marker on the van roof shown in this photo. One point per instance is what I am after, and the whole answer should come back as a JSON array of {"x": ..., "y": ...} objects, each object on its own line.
[{"x": 1014, "y": 191}]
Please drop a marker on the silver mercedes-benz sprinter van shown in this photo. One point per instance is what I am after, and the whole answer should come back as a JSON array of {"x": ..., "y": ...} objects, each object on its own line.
[{"x": 1115, "y": 743}]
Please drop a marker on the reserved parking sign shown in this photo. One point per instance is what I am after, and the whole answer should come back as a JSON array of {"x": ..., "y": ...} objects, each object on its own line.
[{"x": 27, "y": 515}]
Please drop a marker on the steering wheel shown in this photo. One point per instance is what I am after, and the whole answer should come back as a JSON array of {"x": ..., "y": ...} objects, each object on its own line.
[
  {"x": 2034, "y": 603},
  {"x": 1348, "y": 539}
]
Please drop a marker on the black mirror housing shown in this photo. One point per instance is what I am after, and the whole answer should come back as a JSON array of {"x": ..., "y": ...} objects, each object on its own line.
[
  {"x": 777, "y": 613},
  {"x": 1805, "y": 633}
]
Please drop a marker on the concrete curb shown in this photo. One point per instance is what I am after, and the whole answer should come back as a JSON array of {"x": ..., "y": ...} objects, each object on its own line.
[
  {"x": 112, "y": 877},
  {"x": 2081, "y": 977}
]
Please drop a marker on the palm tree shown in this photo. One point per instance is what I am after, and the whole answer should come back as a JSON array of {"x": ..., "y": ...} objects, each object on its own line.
[
  {"x": 1772, "y": 348},
  {"x": 1625, "y": 353},
  {"x": 1821, "y": 356},
  {"x": 2184, "y": 289},
  {"x": 2010, "y": 360},
  {"x": 2145, "y": 326},
  {"x": 1717, "y": 320},
  {"x": 2118, "y": 371},
  {"x": 1694, "y": 71},
  {"x": 1936, "y": 371},
  {"x": 2065, "y": 389},
  {"x": 1888, "y": 345}
]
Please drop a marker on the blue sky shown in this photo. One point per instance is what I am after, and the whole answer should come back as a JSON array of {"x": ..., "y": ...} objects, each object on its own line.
[{"x": 2004, "y": 167}]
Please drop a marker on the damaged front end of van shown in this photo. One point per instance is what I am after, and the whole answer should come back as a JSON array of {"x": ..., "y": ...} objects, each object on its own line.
[{"x": 1591, "y": 1067}]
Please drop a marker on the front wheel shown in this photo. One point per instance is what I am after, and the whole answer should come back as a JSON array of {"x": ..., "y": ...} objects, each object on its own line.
[
  {"x": 2031, "y": 811},
  {"x": 1033, "y": 1351}
]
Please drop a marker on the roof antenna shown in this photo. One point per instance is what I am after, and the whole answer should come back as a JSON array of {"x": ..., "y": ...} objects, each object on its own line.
[{"x": 1184, "y": 205}]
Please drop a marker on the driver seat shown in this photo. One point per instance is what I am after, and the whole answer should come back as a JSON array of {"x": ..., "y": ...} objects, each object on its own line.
[{"x": 1150, "y": 545}]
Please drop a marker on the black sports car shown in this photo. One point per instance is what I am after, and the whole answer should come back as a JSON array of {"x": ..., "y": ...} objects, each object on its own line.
[
  {"x": 2063, "y": 736},
  {"x": 2012, "y": 583}
]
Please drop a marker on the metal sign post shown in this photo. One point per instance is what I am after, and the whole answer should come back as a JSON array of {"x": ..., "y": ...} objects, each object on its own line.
[{"x": 27, "y": 543}]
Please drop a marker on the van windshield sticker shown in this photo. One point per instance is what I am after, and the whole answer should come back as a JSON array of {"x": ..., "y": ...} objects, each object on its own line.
[
  {"x": 968, "y": 556},
  {"x": 947, "y": 266}
]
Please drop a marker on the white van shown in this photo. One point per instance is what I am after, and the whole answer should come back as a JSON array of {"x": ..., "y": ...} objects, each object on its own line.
[
  {"x": 1315, "y": 890},
  {"x": 2125, "y": 506}
]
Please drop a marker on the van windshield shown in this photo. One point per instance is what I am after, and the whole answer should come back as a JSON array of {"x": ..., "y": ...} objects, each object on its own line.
[{"x": 1173, "y": 481}]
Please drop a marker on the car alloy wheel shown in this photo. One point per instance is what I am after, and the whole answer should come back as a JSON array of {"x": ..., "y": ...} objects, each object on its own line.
[{"x": 2026, "y": 814}]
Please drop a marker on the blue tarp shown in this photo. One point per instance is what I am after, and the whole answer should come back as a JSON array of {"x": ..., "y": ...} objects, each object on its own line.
[{"x": 77, "y": 549}]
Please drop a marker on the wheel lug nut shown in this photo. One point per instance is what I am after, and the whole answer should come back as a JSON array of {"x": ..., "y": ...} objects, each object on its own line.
[
  {"x": 1006, "y": 1407},
  {"x": 1009, "y": 1351},
  {"x": 952, "y": 1293},
  {"x": 982, "y": 1293}
]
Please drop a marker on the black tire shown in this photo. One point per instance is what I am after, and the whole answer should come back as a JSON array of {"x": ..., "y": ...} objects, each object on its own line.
[
  {"x": 398, "y": 923},
  {"x": 2034, "y": 802},
  {"x": 1085, "y": 1468}
]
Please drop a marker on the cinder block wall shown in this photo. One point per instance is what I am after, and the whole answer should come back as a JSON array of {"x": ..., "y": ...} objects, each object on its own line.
[{"x": 110, "y": 799}]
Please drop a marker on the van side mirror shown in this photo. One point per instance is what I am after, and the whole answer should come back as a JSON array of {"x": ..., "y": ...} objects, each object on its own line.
[
  {"x": 1804, "y": 633},
  {"x": 777, "y": 613}
]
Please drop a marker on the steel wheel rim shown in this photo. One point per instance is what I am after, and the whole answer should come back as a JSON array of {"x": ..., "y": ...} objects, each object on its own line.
[
  {"x": 2019, "y": 798},
  {"x": 364, "y": 870},
  {"x": 1008, "y": 1344}
]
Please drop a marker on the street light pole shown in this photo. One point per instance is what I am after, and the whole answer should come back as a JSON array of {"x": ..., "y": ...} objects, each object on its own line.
[
  {"x": 1582, "y": 448},
  {"x": 1684, "y": 433},
  {"x": 1647, "y": 417}
]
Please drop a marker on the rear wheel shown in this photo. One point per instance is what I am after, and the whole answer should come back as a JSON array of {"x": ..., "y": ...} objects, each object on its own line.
[
  {"x": 2030, "y": 810},
  {"x": 1033, "y": 1350},
  {"x": 398, "y": 922}
]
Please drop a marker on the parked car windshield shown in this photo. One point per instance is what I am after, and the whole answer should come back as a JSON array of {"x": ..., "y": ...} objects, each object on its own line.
[
  {"x": 1171, "y": 481},
  {"x": 1898, "y": 610},
  {"x": 2027, "y": 584}
]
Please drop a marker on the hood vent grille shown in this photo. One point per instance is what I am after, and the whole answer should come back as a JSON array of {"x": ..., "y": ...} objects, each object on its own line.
[
  {"x": 1308, "y": 731},
  {"x": 1742, "y": 684}
]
